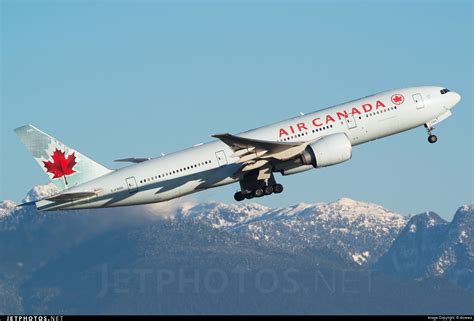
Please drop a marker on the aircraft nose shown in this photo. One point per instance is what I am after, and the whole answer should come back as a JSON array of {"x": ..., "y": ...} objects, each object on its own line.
[
  {"x": 452, "y": 99},
  {"x": 455, "y": 99}
]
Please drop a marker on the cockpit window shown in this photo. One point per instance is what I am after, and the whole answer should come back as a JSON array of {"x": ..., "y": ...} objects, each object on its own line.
[{"x": 445, "y": 90}]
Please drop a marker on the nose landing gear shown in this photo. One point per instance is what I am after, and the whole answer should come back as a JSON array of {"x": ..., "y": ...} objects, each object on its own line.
[{"x": 431, "y": 138}]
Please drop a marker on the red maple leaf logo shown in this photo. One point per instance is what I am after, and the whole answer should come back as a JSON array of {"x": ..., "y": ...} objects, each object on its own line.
[
  {"x": 397, "y": 99},
  {"x": 61, "y": 166}
]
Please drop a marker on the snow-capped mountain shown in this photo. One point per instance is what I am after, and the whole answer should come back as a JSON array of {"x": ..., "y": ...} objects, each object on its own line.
[
  {"x": 39, "y": 192},
  {"x": 422, "y": 246},
  {"x": 431, "y": 247},
  {"x": 7, "y": 207},
  {"x": 356, "y": 231},
  {"x": 413, "y": 250},
  {"x": 458, "y": 250},
  {"x": 220, "y": 215}
]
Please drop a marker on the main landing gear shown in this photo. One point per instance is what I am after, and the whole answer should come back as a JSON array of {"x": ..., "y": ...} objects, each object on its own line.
[
  {"x": 258, "y": 192},
  {"x": 252, "y": 185},
  {"x": 431, "y": 138}
]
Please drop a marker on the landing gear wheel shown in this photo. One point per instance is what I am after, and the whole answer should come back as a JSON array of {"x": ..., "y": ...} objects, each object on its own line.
[
  {"x": 278, "y": 188},
  {"x": 239, "y": 196},
  {"x": 268, "y": 190},
  {"x": 432, "y": 139},
  {"x": 249, "y": 196},
  {"x": 258, "y": 192}
]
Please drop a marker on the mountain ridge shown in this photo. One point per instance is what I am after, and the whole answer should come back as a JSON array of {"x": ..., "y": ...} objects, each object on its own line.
[{"x": 358, "y": 234}]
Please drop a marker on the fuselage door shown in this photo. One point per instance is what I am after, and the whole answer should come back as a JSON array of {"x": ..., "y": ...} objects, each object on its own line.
[
  {"x": 351, "y": 123},
  {"x": 221, "y": 159},
  {"x": 418, "y": 101},
  {"x": 132, "y": 185}
]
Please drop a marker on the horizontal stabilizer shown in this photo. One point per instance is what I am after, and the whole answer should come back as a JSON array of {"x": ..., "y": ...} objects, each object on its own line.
[
  {"x": 69, "y": 197},
  {"x": 60, "y": 198},
  {"x": 26, "y": 204},
  {"x": 132, "y": 160}
]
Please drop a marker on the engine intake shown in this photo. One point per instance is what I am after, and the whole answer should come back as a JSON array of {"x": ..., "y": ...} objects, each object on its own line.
[{"x": 327, "y": 151}]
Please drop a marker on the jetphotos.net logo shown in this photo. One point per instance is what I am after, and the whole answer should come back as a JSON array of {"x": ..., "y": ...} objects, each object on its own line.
[{"x": 33, "y": 318}]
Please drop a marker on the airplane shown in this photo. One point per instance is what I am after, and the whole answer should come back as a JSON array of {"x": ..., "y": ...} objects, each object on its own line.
[{"x": 252, "y": 158}]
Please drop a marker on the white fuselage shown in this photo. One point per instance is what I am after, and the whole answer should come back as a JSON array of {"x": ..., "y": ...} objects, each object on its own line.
[{"x": 212, "y": 164}]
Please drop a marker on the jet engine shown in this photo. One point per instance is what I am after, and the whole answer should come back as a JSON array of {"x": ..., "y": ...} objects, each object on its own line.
[{"x": 329, "y": 150}]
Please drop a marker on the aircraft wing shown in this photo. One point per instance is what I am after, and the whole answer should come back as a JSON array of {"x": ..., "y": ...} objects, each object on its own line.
[{"x": 258, "y": 153}]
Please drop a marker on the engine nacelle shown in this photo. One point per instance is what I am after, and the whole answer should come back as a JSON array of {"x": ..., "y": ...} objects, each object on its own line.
[
  {"x": 296, "y": 170},
  {"x": 330, "y": 150}
]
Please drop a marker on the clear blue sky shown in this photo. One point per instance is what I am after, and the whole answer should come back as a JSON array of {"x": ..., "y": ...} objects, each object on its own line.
[{"x": 133, "y": 79}]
